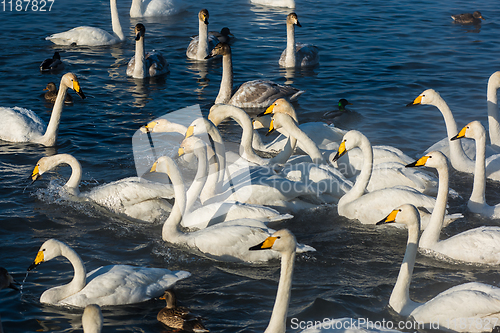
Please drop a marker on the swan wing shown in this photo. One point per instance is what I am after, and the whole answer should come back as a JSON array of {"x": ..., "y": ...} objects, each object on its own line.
[
  {"x": 123, "y": 284},
  {"x": 20, "y": 125},
  {"x": 262, "y": 93},
  {"x": 156, "y": 63},
  {"x": 306, "y": 54},
  {"x": 87, "y": 36}
]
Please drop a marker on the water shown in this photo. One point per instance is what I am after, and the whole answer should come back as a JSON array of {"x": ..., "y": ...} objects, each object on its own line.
[{"x": 379, "y": 56}]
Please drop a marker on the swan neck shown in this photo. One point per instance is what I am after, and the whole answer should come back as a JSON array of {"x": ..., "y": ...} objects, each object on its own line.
[
  {"x": 478, "y": 195},
  {"x": 76, "y": 174},
  {"x": 430, "y": 236},
  {"x": 277, "y": 323},
  {"x": 210, "y": 188},
  {"x": 303, "y": 140},
  {"x": 202, "y": 40},
  {"x": 364, "y": 176},
  {"x": 79, "y": 279},
  {"x": 226, "y": 84},
  {"x": 140, "y": 59},
  {"x": 200, "y": 178},
  {"x": 50, "y": 136},
  {"x": 170, "y": 231},
  {"x": 115, "y": 21},
  {"x": 285, "y": 153},
  {"x": 400, "y": 296},
  {"x": 136, "y": 8},
  {"x": 456, "y": 149},
  {"x": 290, "y": 45},
  {"x": 493, "y": 124}
]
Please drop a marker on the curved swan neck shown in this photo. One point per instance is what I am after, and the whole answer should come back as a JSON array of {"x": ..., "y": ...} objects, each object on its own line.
[
  {"x": 430, "y": 236},
  {"x": 140, "y": 59},
  {"x": 136, "y": 8},
  {"x": 76, "y": 173},
  {"x": 202, "y": 40},
  {"x": 277, "y": 323},
  {"x": 493, "y": 124},
  {"x": 479, "y": 185},
  {"x": 200, "y": 178},
  {"x": 400, "y": 297},
  {"x": 115, "y": 20},
  {"x": 170, "y": 231},
  {"x": 226, "y": 84},
  {"x": 286, "y": 152},
  {"x": 50, "y": 136},
  {"x": 290, "y": 45}
]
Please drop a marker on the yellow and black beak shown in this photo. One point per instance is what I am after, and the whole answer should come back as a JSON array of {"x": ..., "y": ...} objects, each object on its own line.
[
  {"x": 35, "y": 175},
  {"x": 181, "y": 151},
  {"x": 271, "y": 127},
  {"x": 460, "y": 134},
  {"x": 269, "y": 110},
  {"x": 153, "y": 168},
  {"x": 38, "y": 260},
  {"x": 420, "y": 162},
  {"x": 79, "y": 91},
  {"x": 417, "y": 101},
  {"x": 189, "y": 131},
  {"x": 265, "y": 245},
  {"x": 391, "y": 218},
  {"x": 341, "y": 151}
]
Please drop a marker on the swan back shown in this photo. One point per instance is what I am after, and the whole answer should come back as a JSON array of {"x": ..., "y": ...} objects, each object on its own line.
[{"x": 92, "y": 319}]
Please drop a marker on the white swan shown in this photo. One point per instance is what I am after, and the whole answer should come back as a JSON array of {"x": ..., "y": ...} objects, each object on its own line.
[
  {"x": 477, "y": 201},
  {"x": 275, "y": 3},
  {"x": 92, "y": 319},
  {"x": 461, "y": 154},
  {"x": 477, "y": 303},
  {"x": 492, "y": 100},
  {"x": 297, "y": 54},
  {"x": 251, "y": 94},
  {"x": 216, "y": 212},
  {"x": 22, "y": 125},
  {"x": 284, "y": 242},
  {"x": 90, "y": 36},
  {"x": 134, "y": 197},
  {"x": 226, "y": 241},
  {"x": 106, "y": 285},
  {"x": 140, "y": 8},
  {"x": 199, "y": 48},
  {"x": 479, "y": 245},
  {"x": 145, "y": 64},
  {"x": 369, "y": 208}
]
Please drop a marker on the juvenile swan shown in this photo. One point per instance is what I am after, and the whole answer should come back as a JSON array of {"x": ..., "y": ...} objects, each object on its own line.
[{"x": 297, "y": 54}]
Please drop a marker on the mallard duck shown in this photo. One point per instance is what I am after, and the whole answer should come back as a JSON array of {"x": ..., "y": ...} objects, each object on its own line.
[
  {"x": 335, "y": 113},
  {"x": 52, "y": 64},
  {"x": 468, "y": 18},
  {"x": 224, "y": 36},
  {"x": 51, "y": 94},
  {"x": 178, "y": 317}
]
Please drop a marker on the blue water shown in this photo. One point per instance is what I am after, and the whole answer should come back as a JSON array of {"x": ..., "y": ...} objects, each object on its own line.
[{"x": 379, "y": 55}]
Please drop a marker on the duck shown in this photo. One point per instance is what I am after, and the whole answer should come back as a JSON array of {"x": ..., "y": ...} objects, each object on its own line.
[
  {"x": 341, "y": 109},
  {"x": 224, "y": 36},
  {"x": 479, "y": 245},
  {"x": 52, "y": 64},
  {"x": 133, "y": 197},
  {"x": 200, "y": 46},
  {"x": 23, "y": 125},
  {"x": 275, "y": 3},
  {"x": 251, "y": 94},
  {"x": 478, "y": 302},
  {"x": 460, "y": 154},
  {"x": 106, "y": 285},
  {"x": 51, "y": 94},
  {"x": 92, "y": 320},
  {"x": 284, "y": 242},
  {"x": 468, "y": 18},
  {"x": 297, "y": 54},
  {"x": 6, "y": 280},
  {"x": 369, "y": 208},
  {"x": 90, "y": 36},
  {"x": 178, "y": 317},
  {"x": 145, "y": 64},
  {"x": 225, "y": 241},
  {"x": 477, "y": 201},
  {"x": 149, "y": 8}
]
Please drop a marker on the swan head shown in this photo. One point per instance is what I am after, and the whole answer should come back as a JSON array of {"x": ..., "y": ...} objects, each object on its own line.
[
  {"x": 293, "y": 19},
  {"x": 494, "y": 80},
  {"x": 170, "y": 298},
  {"x": 434, "y": 159},
  {"x": 219, "y": 49},
  {"x": 92, "y": 320},
  {"x": 429, "y": 96},
  {"x": 282, "y": 241},
  {"x": 51, "y": 249},
  {"x": 350, "y": 140},
  {"x": 159, "y": 125},
  {"x": 405, "y": 214},
  {"x": 281, "y": 105},
  {"x": 190, "y": 144},
  {"x": 51, "y": 86},
  {"x": 473, "y": 130},
  {"x": 70, "y": 81},
  {"x": 199, "y": 126},
  {"x": 203, "y": 16},
  {"x": 139, "y": 31},
  {"x": 6, "y": 280}
]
